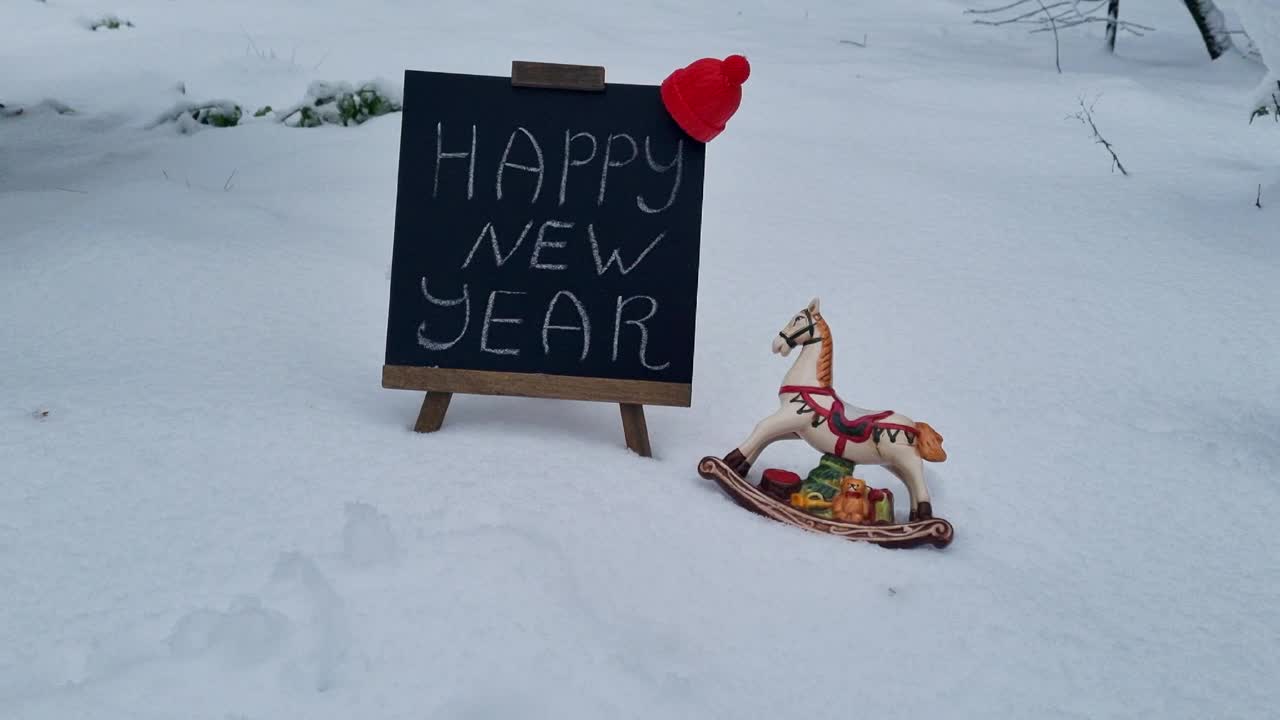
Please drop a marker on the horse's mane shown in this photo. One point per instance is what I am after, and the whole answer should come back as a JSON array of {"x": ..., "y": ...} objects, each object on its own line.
[{"x": 825, "y": 359}]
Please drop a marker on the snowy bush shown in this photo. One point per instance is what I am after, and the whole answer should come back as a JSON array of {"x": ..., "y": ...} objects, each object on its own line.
[
  {"x": 325, "y": 104},
  {"x": 342, "y": 104},
  {"x": 190, "y": 116},
  {"x": 1261, "y": 20},
  {"x": 44, "y": 106},
  {"x": 1268, "y": 106},
  {"x": 109, "y": 22}
]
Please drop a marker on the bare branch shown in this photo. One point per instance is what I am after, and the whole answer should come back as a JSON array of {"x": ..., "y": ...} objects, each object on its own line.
[
  {"x": 1122, "y": 25},
  {"x": 1025, "y": 16},
  {"x": 1086, "y": 116},
  {"x": 1059, "y": 15},
  {"x": 1057, "y": 53},
  {"x": 1010, "y": 6},
  {"x": 1072, "y": 8}
]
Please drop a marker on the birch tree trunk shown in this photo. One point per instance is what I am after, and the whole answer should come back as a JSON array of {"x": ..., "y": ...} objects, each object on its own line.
[
  {"x": 1113, "y": 19},
  {"x": 1213, "y": 27}
]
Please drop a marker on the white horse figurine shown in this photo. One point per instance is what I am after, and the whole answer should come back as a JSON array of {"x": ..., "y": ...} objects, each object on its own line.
[{"x": 811, "y": 410}]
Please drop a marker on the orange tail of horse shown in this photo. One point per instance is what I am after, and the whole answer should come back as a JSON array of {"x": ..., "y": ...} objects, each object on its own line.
[{"x": 929, "y": 443}]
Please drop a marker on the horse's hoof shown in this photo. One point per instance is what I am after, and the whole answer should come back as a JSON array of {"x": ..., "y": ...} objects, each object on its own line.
[
  {"x": 738, "y": 462},
  {"x": 922, "y": 511}
]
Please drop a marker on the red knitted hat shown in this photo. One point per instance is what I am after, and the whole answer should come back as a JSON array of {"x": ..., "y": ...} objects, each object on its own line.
[{"x": 703, "y": 96}]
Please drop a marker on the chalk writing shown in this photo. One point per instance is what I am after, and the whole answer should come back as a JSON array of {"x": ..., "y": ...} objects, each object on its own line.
[
  {"x": 465, "y": 301},
  {"x": 639, "y": 323},
  {"x": 610, "y": 163},
  {"x": 506, "y": 163},
  {"x": 677, "y": 163},
  {"x": 442, "y": 155},
  {"x": 498, "y": 258},
  {"x": 490, "y": 320},
  {"x": 614, "y": 257},
  {"x": 583, "y": 327},
  {"x": 569, "y": 161},
  {"x": 543, "y": 242}
]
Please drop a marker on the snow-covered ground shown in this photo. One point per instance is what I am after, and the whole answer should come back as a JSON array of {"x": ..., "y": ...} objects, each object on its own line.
[{"x": 224, "y": 516}]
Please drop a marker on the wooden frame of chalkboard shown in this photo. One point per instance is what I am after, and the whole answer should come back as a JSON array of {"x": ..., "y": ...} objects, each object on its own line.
[{"x": 647, "y": 287}]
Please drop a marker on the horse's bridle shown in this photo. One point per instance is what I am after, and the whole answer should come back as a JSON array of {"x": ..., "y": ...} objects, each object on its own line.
[{"x": 812, "y": 327}]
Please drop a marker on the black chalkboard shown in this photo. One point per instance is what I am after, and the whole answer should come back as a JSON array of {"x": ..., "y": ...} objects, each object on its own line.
[{"x": 544, "y": 231}]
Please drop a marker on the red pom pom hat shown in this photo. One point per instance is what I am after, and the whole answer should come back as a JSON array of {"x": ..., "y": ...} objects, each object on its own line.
[{"x": 704, "y": 95}]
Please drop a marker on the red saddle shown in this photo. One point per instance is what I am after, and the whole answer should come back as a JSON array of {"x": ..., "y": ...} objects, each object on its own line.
[{"x": 857, "y": 430}]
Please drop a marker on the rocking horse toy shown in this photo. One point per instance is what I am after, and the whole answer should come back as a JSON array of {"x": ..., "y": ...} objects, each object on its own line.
[{"x": 830, "y": 500}]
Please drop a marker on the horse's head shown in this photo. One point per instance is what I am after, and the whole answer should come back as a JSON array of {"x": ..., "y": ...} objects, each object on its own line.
[{"x": 802, "y": 329}]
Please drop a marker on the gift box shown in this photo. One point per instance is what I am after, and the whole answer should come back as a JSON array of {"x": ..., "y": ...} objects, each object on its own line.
[{"x": 881, "y": 506}]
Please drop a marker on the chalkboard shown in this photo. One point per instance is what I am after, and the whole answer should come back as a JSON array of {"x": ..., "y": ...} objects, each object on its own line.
[{"x": 543, "y": 233}]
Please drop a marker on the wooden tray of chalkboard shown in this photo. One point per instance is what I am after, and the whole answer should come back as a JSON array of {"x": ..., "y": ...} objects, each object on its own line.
[{"x": 546, "y": 242}]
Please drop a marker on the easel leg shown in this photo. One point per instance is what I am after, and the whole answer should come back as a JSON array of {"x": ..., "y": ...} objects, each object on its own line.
[
  {"x": 635, "y": 429},
  {"x": 431, "y": 417}
]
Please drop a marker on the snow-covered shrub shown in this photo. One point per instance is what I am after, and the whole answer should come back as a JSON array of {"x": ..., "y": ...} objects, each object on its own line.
[
  {"x": 109, "y": 22},
  {"x": 1261, "y": 20},
  {"x": 217, "y": 115},
  {"x": 190, "y": 116},
  {"x": 325, "y": 104},
  {"x": 44, "y": 106},
  {"x": 1269, "y": 106},
  {"x": 342, "y": 104}
]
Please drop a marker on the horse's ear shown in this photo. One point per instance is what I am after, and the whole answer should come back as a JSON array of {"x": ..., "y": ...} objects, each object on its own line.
[{"x": 813, "y": 305}]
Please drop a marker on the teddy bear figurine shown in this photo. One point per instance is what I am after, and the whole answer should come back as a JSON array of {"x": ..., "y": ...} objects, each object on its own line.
[{"x": 853, "y": 502}]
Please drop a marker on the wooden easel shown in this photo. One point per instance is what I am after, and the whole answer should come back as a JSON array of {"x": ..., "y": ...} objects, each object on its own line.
[
  {"x": 634, "y": 428},
  {"x": 631, "y": 395}
]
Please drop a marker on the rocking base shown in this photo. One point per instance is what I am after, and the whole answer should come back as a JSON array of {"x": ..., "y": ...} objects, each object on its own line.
[{"x": 935, "y": 531}]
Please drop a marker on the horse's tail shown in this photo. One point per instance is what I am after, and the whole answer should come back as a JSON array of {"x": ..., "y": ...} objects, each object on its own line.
[{"x": 929, "y": 443}]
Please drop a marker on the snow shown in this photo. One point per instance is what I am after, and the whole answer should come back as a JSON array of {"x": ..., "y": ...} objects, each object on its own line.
[
  {"x": 367, "y": 537},
  {"x": 223, "y": 515}
]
